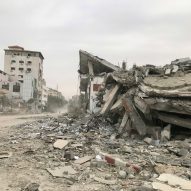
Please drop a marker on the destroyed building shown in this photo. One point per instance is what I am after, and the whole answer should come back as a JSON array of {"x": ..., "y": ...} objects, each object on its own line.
[
  {"x": 147, "y": 99},
  {"x": 92, "y": 72}
]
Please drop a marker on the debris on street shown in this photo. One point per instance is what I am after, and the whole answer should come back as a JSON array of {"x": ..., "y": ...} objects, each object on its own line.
[
  {"x": 100, "y": 157},
  {"x": 135, "y": 135}
]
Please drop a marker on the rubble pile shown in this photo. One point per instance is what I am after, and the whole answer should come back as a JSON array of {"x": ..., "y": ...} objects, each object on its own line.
[
  {"x": 148, "y": 99},
  {"x": 90, "y": 151}
]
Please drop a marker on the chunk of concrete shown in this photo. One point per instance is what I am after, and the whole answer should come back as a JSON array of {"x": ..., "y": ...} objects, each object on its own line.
[
  {"x": 122, "y": 174},
  {"x": 110, "y": 100},
  {"x": 60, "y": 143},
  {"x": 167, "y": 71},
  {"x": 103, "y": 181},
  {"x": 166, "y": 133},
  {"x": 83, "y": 159},
  {"x": 32, "y": 187},
  {"x": 164, "y": 187},
  {"x": 174, "y": 180},
  {"x": 148, "y": 140},
  {"x": 61, "y": 171}
]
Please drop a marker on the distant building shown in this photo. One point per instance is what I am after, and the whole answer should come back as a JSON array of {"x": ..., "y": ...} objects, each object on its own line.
[
  {"x": 27, "y": 66},
  {"x": 55, "y": 93}
]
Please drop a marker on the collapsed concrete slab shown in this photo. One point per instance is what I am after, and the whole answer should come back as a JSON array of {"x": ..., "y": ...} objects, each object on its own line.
[{"x": 148, "y": 96}]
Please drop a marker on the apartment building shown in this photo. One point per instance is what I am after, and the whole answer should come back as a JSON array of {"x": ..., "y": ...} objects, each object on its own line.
[
  {"x": 54, "y": 93},
  {"x": 25, "y": 65}
]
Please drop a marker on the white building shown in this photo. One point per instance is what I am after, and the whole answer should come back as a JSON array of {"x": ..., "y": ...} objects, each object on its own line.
[
  {"x": 54, "y": 93},
  {"x": 19, "y": 63},
  {"x": 29, "y": 87}
]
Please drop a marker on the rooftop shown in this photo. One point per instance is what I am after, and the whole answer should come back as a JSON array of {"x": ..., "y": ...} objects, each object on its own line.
[{"x": 17, "y": 48}]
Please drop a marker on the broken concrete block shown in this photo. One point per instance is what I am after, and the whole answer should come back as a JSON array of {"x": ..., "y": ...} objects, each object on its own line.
[
  {"x": 117, "y": 105},
  {"x": 175, "y": 69},
  {"x": 108, "y": 177},
  {"x": 174, "y": 180},
  {"x": 83, "y": 160},
  {"x": 148, "y": 140},
  {"x": 126, "y": 149},
  {"x": 60, "y": 144},
  {"x": 182, "y": 152},
  {"x": 110, "y": 100},
  {"x": 166, "y": 133},
  {"x": 167, "y": 71},
  {"x": 61, "y": 171},
  {"x": 134, "y": 116},
  {"x": 103, "y": 181},
  {"x": 122, "y": 174},
  {"x": 164, "y": 187},
  {"x": 124, "y": 122},
  {"x": 32, "y": 187}
]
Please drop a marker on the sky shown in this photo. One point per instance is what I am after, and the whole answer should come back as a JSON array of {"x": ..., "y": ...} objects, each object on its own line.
[{"x": 137, "y": 31}]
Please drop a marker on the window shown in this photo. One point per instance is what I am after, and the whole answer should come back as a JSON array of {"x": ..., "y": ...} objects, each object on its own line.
[
  {"x": 12, "y": 69},
  {"x": 13, "y": 61},
  {"x": 5, "y": 86},
  {"x": 21, "y": 76},
  {"x": 21, "y": 69},
  {"x": 28, "y": 55},
  {"x": 21, "y": 61},
  {"x": 21, "y": 81},
  {"x": 16, "y": 54},
  {"x": 28, "y": 69},
  {"x": 29, "y": 62},
  {"x": 16, "y": 87}
]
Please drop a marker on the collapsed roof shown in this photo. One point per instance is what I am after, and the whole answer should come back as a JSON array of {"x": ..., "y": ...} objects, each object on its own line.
[{"x": 99, "y": 65}]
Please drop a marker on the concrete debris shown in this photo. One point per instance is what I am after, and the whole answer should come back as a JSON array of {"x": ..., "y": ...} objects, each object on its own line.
[
  {"x": 97, "y": 149},
  {"x": 141, "y": 97},
  {"x": 104, "y": 181},
  {"x": 122, "y": 174},
  {"x": 32, "y": 187},
  {"x": 148, "y": 140},
  {"x": 164, "y": 187},
  {"x": 174, "y": 180},
  {"x": 60, "y": 144},
  {"x": 61, "y": 171},
  {"x": 166, "y": 133},
  {"x": 83, "y": 160},
  {"x": 136, "y": 135}
]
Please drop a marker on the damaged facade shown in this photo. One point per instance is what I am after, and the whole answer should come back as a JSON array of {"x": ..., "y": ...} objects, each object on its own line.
[
  {"x": 146, "y": 99},
  {"x": 92, "y": 72}
]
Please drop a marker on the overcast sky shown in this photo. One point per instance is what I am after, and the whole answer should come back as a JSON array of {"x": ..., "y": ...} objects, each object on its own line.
[{"x": 138, "y": 31}]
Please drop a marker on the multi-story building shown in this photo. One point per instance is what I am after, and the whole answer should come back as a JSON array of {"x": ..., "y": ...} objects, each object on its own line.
[
  {"x": 54, "y": 93},
  {"x": 27, "y": 66}
]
